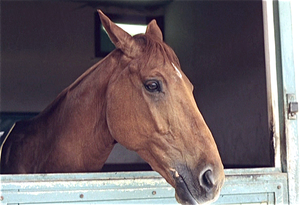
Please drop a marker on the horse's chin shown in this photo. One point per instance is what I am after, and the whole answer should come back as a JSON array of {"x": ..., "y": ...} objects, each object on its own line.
[{"x": 184, "y": 196}]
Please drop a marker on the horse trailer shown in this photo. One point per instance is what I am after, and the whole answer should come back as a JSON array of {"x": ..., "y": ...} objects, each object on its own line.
[{"x": 271, "y": 177}]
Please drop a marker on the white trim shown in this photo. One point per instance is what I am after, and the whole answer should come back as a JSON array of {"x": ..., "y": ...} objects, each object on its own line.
[{"x": 271, "y": 75}]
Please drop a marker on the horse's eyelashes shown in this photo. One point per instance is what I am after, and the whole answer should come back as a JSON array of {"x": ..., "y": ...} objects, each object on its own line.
[{"x": 152, "y": 86}]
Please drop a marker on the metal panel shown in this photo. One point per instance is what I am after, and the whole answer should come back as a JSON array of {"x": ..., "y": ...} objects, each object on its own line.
[
  {"x": 286, "y": 70},
  {"x": 253, "y": 186}
]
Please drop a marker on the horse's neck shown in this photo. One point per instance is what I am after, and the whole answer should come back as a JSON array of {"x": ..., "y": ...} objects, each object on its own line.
[{"x": 76, "y": 120}]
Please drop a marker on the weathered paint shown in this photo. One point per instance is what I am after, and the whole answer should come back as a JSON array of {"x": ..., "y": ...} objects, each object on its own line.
[
  {"x": 287, "y": 69},
  {"x": 254, "y": 186},
  {"x": 271, "y": 79}
]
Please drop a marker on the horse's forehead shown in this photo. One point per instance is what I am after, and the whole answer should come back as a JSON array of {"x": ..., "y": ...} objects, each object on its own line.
[
  {"x": 167, "y": 67},
  {"x": 159, "y": 56},
  {"x": 163, "y": 66}
]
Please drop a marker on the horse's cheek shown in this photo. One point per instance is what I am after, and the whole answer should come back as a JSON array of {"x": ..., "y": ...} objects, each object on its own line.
[{"x": 120, "y": 120}]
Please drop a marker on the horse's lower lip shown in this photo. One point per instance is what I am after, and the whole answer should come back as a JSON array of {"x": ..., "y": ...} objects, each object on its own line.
[{"x": 183, "y": 194}]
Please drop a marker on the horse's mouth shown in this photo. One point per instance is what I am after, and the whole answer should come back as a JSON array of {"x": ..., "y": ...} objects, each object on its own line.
[{"x": 183, "y": 194}]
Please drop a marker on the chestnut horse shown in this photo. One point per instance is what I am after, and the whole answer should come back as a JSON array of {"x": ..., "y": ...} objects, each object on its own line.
[{"x": 137, "y": 96}]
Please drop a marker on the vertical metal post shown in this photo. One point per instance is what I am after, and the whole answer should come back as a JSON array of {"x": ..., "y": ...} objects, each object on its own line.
[
  {"x": 271, "y": 80},
  {"x": 286, "y": 66}
]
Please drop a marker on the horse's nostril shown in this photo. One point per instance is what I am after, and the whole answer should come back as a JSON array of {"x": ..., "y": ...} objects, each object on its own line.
[{"x": 206, "y": 180}]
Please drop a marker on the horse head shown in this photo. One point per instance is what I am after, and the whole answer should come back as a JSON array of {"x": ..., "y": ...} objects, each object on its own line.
[{"x": 151, "y": 109}]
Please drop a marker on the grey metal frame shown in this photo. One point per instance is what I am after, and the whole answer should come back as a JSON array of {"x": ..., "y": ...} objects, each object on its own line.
[
  {"x": 286, "y": 71},
  {"x": 241, "y": 187}
]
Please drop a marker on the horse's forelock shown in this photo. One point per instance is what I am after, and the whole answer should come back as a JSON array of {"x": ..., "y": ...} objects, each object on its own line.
[{"x": 152, "y": 49}]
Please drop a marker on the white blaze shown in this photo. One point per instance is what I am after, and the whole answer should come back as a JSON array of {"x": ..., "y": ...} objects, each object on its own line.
[{"x": 177, "y": 70}]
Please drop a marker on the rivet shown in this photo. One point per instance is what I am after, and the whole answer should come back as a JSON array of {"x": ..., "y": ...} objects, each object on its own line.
[
  {"x": 154, "y": 192},
  {"x": 278, "y": 187},
  {"x": 81, "y": 196}
]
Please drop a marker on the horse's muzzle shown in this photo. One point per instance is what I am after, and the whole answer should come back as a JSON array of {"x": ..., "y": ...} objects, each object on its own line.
[{"x": 205, "y": 190}]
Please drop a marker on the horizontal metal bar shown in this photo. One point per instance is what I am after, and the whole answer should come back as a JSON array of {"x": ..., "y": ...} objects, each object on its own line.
[{"x": 123, "y": 187}]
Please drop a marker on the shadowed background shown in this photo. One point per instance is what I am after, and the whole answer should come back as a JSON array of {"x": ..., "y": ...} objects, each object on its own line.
[{"x": 45, "y": 46}]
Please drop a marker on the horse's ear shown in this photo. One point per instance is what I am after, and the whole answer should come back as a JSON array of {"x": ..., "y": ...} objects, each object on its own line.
[
  {"x": 153, "y": 30},
  {"x": 120, "y": 38}
]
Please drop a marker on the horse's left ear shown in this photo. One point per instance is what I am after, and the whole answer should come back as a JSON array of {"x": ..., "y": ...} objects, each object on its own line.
[
  {"x": 120, "y": 38},
  {"x": 153, "y": 30}
]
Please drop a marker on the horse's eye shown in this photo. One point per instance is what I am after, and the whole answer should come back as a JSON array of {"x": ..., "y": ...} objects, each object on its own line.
[{"x": 152, "y": 86}]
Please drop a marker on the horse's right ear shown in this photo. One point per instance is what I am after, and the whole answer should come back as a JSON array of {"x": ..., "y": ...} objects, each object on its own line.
[{"x": 120, "y": 38}]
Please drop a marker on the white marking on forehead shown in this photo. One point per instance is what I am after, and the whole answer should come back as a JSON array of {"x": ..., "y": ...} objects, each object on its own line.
[{"x": 177, "y": 70}]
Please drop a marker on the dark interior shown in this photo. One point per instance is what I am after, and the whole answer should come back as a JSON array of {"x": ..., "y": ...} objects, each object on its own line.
[{"x": 46, "y": 45}]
